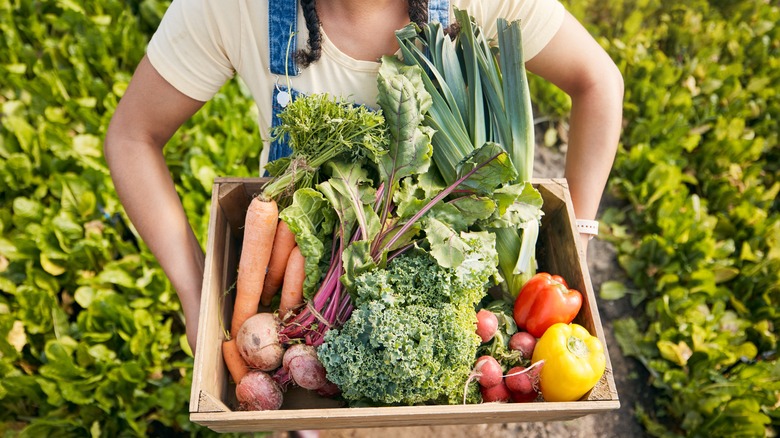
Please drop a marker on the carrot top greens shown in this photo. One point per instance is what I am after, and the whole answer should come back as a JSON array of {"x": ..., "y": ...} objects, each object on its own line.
[{"x": 320, "y": 128}]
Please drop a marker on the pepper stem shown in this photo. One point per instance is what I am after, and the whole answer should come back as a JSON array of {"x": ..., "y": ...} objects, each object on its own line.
[{"x": 577, "y": 347}]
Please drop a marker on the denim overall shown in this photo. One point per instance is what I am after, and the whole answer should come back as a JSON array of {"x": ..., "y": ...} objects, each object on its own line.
[{"x": 282, "y": 20}]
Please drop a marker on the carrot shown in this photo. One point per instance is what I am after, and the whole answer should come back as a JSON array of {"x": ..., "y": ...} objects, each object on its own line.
[
  {"x": 259, "y": 230},
  {"x": 292, "y": 288},
  {"x": 236, "y": 364},
  {"x": 284, "y": 242}
]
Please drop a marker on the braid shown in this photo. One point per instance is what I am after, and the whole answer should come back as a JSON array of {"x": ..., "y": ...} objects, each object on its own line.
[
  {"x": 305, "y": 57},
  {"x": 418, "y": 12}
]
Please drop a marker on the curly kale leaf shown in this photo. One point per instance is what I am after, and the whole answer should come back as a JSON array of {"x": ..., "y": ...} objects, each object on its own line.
[
  {"x": 402, "y": 355},
  {"x": 416, "y": 279},
  {"x": 411, "y": 337}
]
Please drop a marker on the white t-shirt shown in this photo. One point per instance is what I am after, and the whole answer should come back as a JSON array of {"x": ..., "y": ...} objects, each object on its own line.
[{"x": 201, "y": 44}]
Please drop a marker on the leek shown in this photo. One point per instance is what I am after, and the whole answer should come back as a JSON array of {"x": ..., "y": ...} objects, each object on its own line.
[{"x": 479, "y": 95}]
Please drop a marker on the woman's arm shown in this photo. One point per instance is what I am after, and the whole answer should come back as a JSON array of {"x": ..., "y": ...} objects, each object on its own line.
[
  {"x": 146, "y": 117},
  {"x": 575, "y": 63}
]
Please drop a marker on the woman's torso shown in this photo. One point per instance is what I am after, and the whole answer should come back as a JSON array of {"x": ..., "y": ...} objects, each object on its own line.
[{"x": 200, "y": 43}]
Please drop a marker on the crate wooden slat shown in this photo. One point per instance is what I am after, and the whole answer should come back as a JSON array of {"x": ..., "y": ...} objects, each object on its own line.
[
  {"x": 302, "y": 419},
  {"x": 213, "y": 402}
]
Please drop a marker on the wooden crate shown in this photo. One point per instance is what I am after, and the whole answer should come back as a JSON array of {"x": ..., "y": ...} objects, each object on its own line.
[{"x": 213, "y": 401}]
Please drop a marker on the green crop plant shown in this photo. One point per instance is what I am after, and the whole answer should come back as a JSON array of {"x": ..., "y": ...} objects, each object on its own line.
[{"x": 698, "y": 233}]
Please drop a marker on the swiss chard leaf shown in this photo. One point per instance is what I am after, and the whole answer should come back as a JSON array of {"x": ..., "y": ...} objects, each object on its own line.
[
  {"x": 404, "y": 102},
  {"x": 463, "y": 212},
  {"x": 486, "y": 179},
  {"x": 447, "y": 247},
  {"x": 517, "y": 205},
  {"x": 351, "y": 194}
]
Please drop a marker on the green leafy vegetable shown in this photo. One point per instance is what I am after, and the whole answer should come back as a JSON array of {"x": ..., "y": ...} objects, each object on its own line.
[
  {"x": 487, "y": 103},
  {"x": 370, "y": 229},
  {"x": 320, "y": 128},
  {"x": 411, "y": 337}
]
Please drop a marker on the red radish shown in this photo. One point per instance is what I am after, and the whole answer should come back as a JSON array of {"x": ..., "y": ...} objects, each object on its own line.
[
  {"x": 523, "y": 398},
  {"x": 258, "y": 391},
  {"x": 488, "y": 372},
  {"x": 258, "y": 342},
  {"x": 305, "y": 368},
  {"x": 487, "y": 324},
  {"x": 521, "y": 381},
  {"x": 523, "y": 342},
  {"x": 497, "y": 393}
]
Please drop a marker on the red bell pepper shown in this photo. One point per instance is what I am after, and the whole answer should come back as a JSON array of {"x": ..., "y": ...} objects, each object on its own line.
[{"x": 543, "y": 301}]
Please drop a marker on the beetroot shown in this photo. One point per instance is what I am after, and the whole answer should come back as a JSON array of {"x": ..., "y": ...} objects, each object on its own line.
[
  {"x": 329, "y": 390},
  {"x": 304, "y": 367},
  {"x": 258, "y": 342},
  {"x": 258, "y": 391}
]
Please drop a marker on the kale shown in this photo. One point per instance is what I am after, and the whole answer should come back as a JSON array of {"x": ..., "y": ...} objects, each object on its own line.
[{"x": 411, "y": 338}]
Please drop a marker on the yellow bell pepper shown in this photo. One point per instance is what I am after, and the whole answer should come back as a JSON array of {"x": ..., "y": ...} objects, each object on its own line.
[{"x": 574, "y": 361}]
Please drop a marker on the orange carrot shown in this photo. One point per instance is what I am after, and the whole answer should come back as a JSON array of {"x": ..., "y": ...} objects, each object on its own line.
[
  {"x": 284, "y": 242},
  {"x": 236, "y": 364},
  {"x": 292, "y": 288},
  {"x": 259, "y": 231}
]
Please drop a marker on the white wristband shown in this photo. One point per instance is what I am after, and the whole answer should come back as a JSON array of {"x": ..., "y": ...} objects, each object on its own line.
[{"x": 588, "y": 227}]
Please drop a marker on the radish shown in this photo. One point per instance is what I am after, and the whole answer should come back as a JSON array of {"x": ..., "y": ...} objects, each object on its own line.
[
  {"x": 518, "y": 379},
  {"x": 523, "y": 383},
  {"x": 258, "y": 391},
  {"x": 523, "y": 342},
  {"x": 487, "y": 324},
  {"x": 258, "y": 342},
  {"x": 488, "y": 372},
  {"x": 523, "y": 398},
  {"x": 305, "y": 368},
  {"x": 497, "y": 393}
]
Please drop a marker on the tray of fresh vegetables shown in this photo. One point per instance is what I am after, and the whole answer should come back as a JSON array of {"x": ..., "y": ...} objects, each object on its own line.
[{"x": 401, "y": 266}]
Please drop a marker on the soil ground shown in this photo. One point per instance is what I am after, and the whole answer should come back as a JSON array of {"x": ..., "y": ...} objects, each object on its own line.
[{"x": 631, "y": 387}]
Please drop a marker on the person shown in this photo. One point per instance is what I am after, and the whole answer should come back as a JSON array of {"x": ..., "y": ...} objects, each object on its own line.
[{"x": 201, "y": 44}]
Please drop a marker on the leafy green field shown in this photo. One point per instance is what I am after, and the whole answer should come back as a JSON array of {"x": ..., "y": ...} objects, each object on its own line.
[
  {"x": 699, "y": 237},
  {"x": 91, "y": 333}
]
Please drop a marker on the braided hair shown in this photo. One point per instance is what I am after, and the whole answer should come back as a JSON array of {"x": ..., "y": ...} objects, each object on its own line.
[{"x": 418, "y": 14}]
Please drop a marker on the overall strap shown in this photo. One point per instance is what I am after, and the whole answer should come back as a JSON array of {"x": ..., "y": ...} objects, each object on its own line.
[
  {"x": 282, "y": 30},
  {"x": 281, "y": 97},
  {"x": 439, "y": 10}
]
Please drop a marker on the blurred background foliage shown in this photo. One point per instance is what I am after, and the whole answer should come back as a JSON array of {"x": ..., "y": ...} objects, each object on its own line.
[{"x": 91, "y": 333}]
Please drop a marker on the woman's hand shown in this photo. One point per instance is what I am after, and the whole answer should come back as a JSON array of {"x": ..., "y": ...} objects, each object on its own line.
[{"x": 146, "y": 117}]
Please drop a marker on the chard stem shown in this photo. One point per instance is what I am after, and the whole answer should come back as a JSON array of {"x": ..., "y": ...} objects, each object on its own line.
[{"x": 444, "y": 193}]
